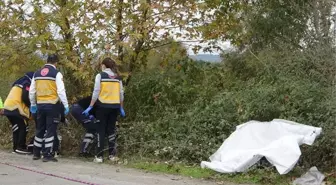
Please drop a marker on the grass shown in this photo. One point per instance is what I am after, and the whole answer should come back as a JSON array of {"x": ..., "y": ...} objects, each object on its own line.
[
  {"x": 255, "y": 176},
  {"x": 266, "y": 176}
]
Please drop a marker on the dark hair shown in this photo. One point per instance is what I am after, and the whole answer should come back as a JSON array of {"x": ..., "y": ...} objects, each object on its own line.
[
  {"x": 109, "y": 63},
  {"x": 52, "y": 59}
]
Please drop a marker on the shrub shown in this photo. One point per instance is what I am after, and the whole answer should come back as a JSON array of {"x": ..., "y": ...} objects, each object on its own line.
[{"x": 186, "y": 114}]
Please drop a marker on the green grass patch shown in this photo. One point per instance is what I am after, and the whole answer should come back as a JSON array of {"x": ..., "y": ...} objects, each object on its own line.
[{"x": 266, "y": 176}]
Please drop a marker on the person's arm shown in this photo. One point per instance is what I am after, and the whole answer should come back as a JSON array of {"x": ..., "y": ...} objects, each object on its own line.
[
  {"x": 62, "y": 114},
  {"x": 32, "y": 93},
  {"x": 61, "y": 89},
  {"x": 25, "y": 95},
  {"x": 96, "y": 90}
]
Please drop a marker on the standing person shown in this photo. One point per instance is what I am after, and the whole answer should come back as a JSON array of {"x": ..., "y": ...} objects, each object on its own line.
[
  {"x": 109, "y": 95},
  {"x": 88, "y": 122},
  {"x": 16, "y": 109},
  {"x": 46, "y": 94}
]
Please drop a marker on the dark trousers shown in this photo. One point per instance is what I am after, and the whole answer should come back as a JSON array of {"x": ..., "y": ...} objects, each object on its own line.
[
  {"x": 89, "y": 125},
  {"x": 31, "y": 142},
  {"x": 19, "y": 130},
  {"x": 46, "y": 127},
  {"x": 107, "y": 123}
]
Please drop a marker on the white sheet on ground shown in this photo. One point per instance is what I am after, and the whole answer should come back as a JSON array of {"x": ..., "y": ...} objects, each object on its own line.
[{"x": 278, "y": 141}]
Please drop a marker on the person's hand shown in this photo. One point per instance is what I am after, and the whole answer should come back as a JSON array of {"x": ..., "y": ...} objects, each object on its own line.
[
  {"x": 122, "y": 112},
  {"x": 91, "y": 117},
  {"x": 33, "y": 109},
  {"x": 86, "y": 112},
  {"x": 1, "y": 111},
  {"x": 66, "y": 110}
]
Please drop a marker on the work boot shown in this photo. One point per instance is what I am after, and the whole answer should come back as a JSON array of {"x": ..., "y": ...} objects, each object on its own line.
[
  {"x": 36, "y": 157},
  {"x": 22, "y": 151},
  {"x": 30, "y": 148},
  {"x": 49, "y": 159}
]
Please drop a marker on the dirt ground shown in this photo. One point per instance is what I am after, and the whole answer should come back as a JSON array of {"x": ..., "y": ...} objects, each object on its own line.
[{"x": 18, "y": 169}]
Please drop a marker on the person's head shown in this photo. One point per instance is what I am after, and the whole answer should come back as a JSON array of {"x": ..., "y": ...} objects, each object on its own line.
[
  {"x": 52, "y": 59},
  {"x": 109, "y": 63}
]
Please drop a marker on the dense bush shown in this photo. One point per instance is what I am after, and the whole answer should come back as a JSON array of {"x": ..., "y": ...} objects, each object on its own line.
[{"x": 184, "y": 111}]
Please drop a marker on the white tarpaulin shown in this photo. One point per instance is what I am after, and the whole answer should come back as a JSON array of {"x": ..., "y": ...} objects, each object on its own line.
[{"x": 278, "y": 141}]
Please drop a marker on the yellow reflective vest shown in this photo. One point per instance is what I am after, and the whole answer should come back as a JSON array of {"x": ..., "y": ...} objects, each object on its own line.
[
  {"x": 14, "y": 102},
  {"x": 109, "y": 90},
  {"x": 46, "y": 88}
]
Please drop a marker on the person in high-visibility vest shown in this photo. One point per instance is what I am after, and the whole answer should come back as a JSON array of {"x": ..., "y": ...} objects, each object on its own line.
[
  {"x": 46, "y": 94},
  {"x": 89, "y": 123},
  {"x": 108, "y": 95},
  {"x": 16, "y": 109}
]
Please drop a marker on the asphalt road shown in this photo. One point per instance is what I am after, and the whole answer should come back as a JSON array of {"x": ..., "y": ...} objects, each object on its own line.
[{"x": 18, "y": 169}]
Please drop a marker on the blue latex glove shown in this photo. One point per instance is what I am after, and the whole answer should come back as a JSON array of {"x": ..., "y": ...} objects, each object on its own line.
[
  {"x": 91, "y": 117},
  {"x": 86, "y": 112},
  {"x": 122, "y": 112},
  {"x": 66, "y": 111},
  {"x": 33, "y": 109}
]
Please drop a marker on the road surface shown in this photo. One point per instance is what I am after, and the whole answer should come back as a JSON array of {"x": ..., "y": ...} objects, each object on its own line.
[{"x": 18, "y": 169}]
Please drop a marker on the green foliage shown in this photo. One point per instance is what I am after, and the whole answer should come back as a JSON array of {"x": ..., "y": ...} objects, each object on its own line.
[
  {"x": 186, "y": 114},
  {"x": 260, "y": 24},
  {"x": 77, "y": 30}
]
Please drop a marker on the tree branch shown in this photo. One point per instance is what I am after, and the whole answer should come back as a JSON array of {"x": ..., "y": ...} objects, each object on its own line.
[{"x": 164, "y": 44}]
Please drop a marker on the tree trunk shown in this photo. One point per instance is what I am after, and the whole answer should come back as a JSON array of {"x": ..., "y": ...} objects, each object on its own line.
[
  {"x": 120, "y": 31},
  {"x": 139, "y": 43}
]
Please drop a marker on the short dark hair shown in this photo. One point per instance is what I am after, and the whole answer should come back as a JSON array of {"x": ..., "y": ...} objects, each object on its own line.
[{"x": 52, "y": 59}]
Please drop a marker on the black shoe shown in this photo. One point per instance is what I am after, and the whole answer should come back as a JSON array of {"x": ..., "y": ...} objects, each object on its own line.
[
  {"x": 49, "y": 159},
  {"x": 22, "y": 151},
  {"x": 36, "y": 157},
  {"x": 30, "y": 148}
]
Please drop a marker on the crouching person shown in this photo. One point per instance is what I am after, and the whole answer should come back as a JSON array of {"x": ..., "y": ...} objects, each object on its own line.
[
  {"x": 89, "y": 123},
  {"x": 16, "y": 109}
]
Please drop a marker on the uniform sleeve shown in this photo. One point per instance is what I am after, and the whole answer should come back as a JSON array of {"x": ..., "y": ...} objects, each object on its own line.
[
  {"x": 96, "y": 89},
  {"x": 61, "y": 89},
  {"x": 121, "y": 91},
  {"x": 32, "y": 93},
  {"x": 25, "y": 95}
]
